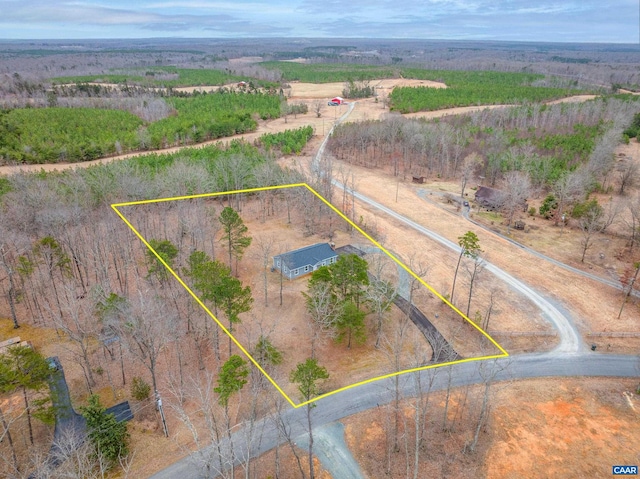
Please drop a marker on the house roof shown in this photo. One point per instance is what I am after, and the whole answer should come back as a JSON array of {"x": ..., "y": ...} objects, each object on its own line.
[{"x": 309, "y": 255}]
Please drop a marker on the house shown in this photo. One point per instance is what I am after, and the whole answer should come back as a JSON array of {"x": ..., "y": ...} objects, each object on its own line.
[{"x": 305, "y": 260}]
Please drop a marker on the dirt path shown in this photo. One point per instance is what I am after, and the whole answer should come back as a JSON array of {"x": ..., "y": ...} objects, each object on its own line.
[{"x": 303, "y": 92}]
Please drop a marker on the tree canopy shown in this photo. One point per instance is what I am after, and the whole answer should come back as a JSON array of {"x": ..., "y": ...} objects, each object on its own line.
[
  {"x": 307, "y": 375},
  {"x": 108, "y": 436},
  {"x": 235, "y": 233},
  {"x": 233, "y": 376}
]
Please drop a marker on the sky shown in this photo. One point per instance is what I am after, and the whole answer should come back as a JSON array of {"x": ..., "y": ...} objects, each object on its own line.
[{"x": 599, "y": 21}]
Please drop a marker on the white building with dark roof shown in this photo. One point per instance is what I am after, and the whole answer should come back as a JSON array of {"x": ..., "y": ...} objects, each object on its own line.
[{"x": 305, "y": 260}]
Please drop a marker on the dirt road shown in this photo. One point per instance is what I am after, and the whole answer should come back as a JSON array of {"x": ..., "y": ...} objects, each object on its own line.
[{"x": 304, "y": 92}]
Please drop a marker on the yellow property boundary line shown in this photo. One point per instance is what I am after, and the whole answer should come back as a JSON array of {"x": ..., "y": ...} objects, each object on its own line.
[{"x": 115, "y": 207}]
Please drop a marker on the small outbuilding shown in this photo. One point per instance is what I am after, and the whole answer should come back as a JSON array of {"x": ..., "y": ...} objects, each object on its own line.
[
  {"x": 336, "y": 101},
  {"x": 305, "y": 260}
]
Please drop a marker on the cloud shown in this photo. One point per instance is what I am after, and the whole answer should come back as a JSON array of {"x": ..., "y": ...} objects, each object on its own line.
[{"x": 543, "y": 20}]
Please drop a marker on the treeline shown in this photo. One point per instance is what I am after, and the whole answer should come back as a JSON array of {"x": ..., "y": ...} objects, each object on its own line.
[
  {"x": 543, "y": 141},
  {"x": 413, "y": 99},
  {"x": 205, "y": 169},
  {"x": 330, "y": 72},
  {"x": 165, "y": 77},
  {"x": 210, "y": 116},
  {"x": 50, "y": 135}
]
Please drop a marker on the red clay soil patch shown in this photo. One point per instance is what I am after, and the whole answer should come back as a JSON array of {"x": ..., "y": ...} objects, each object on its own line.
[{"x": 578, "y": 428}]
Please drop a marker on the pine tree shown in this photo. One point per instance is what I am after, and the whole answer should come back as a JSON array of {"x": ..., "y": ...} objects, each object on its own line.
[
  {"x": 108, "y": 436},
  {"x": 235, "y": 235}
]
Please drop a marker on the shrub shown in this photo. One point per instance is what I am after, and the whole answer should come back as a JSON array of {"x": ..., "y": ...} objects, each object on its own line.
[
  {"x": 634, "y": 128},
  {"x": 581, "y": 209},
  {"x": 140, "y": 389},
  {"x": 548, "y": 206},
  {"x": 107, "y": 435}
]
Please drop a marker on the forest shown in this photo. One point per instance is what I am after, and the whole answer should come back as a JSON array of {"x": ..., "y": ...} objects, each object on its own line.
[
  {"x": 74, "y": 275},
  {"x": 161, "y": 77},
  {"x": 56, "y": 134},
  {"x": 47, "y": 122}
]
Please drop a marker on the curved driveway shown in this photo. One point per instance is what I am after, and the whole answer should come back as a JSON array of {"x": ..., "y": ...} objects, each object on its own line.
[
  {"x": 570, "y": 340},
  {"x": 568, "y": 359}
]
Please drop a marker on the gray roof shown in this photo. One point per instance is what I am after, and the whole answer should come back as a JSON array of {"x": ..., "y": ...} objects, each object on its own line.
[{"x": 309, "y": 255}]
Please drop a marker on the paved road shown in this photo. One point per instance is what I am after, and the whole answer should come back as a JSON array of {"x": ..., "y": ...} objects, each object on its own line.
[
  {"x": 465, "y": 213},
  {"x": 331, "y": 449},
  {"x": 570, "y": 340},
  {"x": 380, "y": 393},
  {"x": 567, "y": 360}
]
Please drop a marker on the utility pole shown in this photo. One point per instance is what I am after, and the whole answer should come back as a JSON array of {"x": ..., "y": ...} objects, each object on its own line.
[{"x": 159, "y": 408}]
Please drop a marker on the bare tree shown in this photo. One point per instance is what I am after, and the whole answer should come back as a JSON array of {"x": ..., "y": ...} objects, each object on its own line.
[
  {"x": 590, "y": 224},
  {"x": 488, "y": 371},
  {"x": 147, "y": 329},
  {"x": 75, "y": 458},
  {"x": 11, "y": 247},
  {"x": 567, "y": 189},
  {"x": 601, "y": 158},
  {"x": 517, "y": 188},
  {"x": 610, "y": 213},
  {"x": 469, "y": 166},
  {"x": 76, "y": 321},
  {"x": 324, "y": 310},
  {"x": 7, "y": 417},
  {"x": 213, "y": 454},
  {"x": 628, "y": 173},
  {"x": 422, "y": 384},
  {"x": 265, "y": 245},
  {"x": 633, "y": 220},
  {"x": 284, "y": 431},
  {"x": 628, "y": 281},
  {"x": 379, "y": 296},
  {"x": 473, "y": 270},
  {"x": 393, "y": 348},
  {"x": 317, "y": 108}
]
